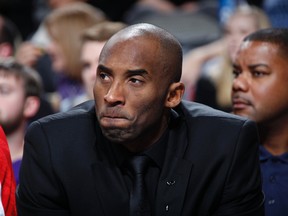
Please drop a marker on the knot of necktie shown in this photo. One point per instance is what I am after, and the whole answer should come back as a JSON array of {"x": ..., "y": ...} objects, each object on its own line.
[{"x": 139, "y": 164}]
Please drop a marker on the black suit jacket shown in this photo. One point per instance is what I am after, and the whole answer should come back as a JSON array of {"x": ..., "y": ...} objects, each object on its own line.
[{"x": 211, "y": 167}]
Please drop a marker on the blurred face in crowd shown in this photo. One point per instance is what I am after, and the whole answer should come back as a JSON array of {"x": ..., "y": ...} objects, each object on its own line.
[
  {"x": 90, "y": 57},
  {"x": 259, "y": 89},
  {"x": 57, "y": 56},
  {"x": 12, "y": 101},
  {"x": 237, "y": 27}
]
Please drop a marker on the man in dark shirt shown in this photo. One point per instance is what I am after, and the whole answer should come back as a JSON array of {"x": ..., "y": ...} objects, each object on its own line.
[
  {"x": 200, "y": 161},
  {"x": 260, "y": 93}
]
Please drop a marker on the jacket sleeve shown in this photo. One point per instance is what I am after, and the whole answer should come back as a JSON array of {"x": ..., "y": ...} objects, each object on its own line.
[
  {"x": 39, "y": 193},
  {"x": 7, "y": 179},
  {"x": 243, "y": 187}
]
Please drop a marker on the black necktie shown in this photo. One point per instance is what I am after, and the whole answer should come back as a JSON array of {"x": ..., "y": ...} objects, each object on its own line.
[{"x": 139, "y": 203}]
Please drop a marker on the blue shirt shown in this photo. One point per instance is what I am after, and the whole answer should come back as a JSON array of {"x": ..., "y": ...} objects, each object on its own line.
[{"x": 275, "y": 182}]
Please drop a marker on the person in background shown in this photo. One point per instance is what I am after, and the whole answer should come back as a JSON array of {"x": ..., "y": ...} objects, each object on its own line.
[
  {"x": 32, "y": 52},
  {"x": 212, "y": 70},
  {"x": 40, "y": 39},
  {"x": 10, "y": 40},
  {"x": 259, "y": 92},
  {"x": 70, "y": 21},
  {"x": 7, "y": 181},
  {"x": 198, "y": 161},
  {"x": 10, "y": 37},
  {"x": 93, "y": 40},
  {"x": 20, "y": 90},
  {"x": 64, "y": 26}
]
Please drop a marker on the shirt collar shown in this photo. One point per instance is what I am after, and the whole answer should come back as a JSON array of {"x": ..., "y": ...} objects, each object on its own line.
[
  {"x": 157, "y": 151},
  {"x": 265, "y": 155}
]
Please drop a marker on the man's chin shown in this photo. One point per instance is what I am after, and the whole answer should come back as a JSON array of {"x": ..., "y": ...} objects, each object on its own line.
[
  {"x": 242, "y": 113},
  {"x": 116, "y": 135}
]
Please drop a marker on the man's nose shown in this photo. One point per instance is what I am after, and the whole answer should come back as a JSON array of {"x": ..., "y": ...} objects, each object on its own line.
[
  {"x": 115, "y": 94},
  {"x": 240, "y": 83}
]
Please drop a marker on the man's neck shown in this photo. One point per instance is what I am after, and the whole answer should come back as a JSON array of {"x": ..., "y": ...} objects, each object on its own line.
[
  {"x": 275, "y": 138},
  {"x": 16, "y": 143}
]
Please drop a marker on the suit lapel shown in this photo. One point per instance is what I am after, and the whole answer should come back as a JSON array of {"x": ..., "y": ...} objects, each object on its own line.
[
  {"x": 171, "y": 189},
  {"x": 175, "y": 175}
]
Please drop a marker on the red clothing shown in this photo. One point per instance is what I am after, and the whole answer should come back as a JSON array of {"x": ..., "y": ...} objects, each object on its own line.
[{"x": 7, "y": 180}]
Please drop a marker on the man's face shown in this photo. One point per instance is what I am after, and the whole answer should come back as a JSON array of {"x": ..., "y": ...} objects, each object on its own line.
[
  {"x": 12, "y": 100},
  {"x": 90, "y": 58},
  {"x": 259, "y": 89},
  {"x": 237, "y": 27},
  {"x": 59, "y": 63},
  {"x": 130, "y": 92}
]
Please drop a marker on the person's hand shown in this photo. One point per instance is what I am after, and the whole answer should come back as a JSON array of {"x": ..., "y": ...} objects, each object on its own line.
[{"x": 28, "y": 54}]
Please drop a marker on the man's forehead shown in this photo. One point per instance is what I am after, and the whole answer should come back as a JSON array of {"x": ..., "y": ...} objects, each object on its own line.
[
  {"x": 121, "y": 45},
  {"x": 128, "y": 38},
  {"x": 256, "y": 44}
]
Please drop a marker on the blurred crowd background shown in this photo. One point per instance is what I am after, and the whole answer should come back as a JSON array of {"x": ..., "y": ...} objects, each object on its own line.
[
  {"x": 47, "y": 37},
  {"x": 27, "y": 15}
]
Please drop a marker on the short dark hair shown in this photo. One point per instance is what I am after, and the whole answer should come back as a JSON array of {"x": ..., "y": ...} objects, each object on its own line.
[
  {"x": 31, "y": 79},
  {"x": 277, "y": 36}
]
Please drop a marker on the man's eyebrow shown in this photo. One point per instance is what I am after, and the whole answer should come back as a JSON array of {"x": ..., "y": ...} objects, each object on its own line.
[
  {"x": 137, "y": 72},
  {"x": 258, "y": 65},
  {"x": 251, "y": 66},
  {"x": 103, "y": 68},
  {"x": 130, "y": 72}
]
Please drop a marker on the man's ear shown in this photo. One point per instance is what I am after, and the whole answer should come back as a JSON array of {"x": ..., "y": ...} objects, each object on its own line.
[
  {"x": 31, "y": 107},
  {"x": 175, "y": 93}
]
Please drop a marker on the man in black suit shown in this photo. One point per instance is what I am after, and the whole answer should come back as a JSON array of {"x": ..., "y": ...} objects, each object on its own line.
[{"x": 202, "y": 161}]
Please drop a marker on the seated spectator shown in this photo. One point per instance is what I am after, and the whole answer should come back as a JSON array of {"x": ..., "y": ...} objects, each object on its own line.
[
  {"x": 10, "y": 40},
  {"x": 70, "y": 21},
  {"x": 7, "y": 181},
  {"x": 259, "y": 92},
  {"x": 64, "y": 26},
  {"x": 93, "y": 40},
  {"x": 20, "y": 90},
  {"x": 212, "y": 82}
]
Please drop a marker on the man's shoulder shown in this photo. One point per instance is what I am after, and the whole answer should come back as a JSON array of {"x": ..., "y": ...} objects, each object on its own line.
[
  {"x": 83, "y": 111},
  {"x": 193, "y": 110}
]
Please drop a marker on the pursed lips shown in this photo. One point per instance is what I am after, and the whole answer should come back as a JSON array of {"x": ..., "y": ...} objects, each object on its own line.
[
  {"x": 109, "y": 119},
  {"x": 113, "y": 114}
]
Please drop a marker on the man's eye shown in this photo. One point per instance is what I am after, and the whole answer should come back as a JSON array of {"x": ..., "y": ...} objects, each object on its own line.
[
  {"x": 133, "y": 80},
  {"x": 136, "y": 82},
  {"x": 85, "y": 66},
  {"x": 104, "y": 76},
  {"x": 258, "y": 73},
  {"x": 235, "y": 73}
]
